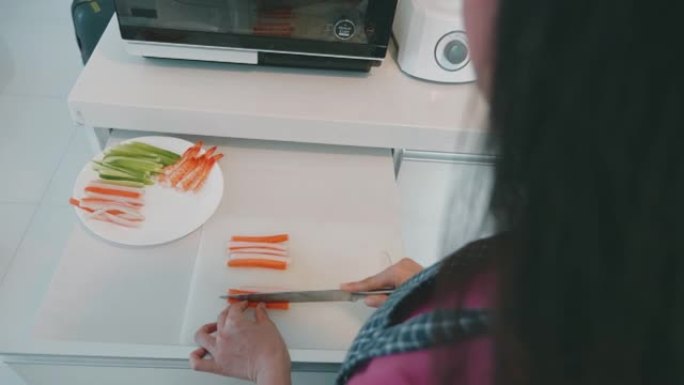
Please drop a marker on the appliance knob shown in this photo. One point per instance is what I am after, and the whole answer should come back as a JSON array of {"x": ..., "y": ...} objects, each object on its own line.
[
  {"x": 451, "y": 52},
  {"x": 456, "y": 52}
]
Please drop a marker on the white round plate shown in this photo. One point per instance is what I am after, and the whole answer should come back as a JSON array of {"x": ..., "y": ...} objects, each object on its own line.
[{"x": 169, "y": 214}]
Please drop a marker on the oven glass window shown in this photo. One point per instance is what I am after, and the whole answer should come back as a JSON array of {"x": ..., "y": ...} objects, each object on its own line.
[{"x": 329, "y": 21}]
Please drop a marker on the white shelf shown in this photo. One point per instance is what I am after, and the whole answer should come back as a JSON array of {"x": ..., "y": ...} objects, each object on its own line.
[{"x": 384, "y": 108}]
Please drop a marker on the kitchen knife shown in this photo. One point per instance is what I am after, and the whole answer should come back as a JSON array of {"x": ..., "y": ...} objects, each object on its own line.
[{"x": 306, "y": 296}]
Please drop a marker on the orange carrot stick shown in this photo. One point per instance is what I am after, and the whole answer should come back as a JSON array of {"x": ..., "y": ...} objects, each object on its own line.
[
  {"x": 278, "y": 238},
  {"x": 269, "y": 305},
  {"x": 112, "y": 191},
  {"x": 264, "y": 263}
]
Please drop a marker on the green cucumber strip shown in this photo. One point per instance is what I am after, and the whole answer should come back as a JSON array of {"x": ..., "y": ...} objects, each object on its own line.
[
  {"x": 124, "y": 182},
  {"x": 133, "y": 154},
  {"x": 109, "y": 177},
  {"x": 153, "y": 149},
  {"x": 99, "y": 166},
  {"x": 133, "y": 164}
]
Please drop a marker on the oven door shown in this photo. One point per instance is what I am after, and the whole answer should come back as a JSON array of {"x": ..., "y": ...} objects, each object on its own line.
[{"x": 346, "y": 28}]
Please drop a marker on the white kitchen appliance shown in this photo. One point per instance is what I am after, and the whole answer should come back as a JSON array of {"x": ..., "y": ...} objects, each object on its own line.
[
  {"x": 332, "y": 34},
  {"x": 431, "y": 39}
]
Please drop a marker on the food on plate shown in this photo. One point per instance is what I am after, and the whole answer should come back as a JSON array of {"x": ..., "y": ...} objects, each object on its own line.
[
  {"x": 126, "y": 169},
  {"x": 267, "y": 251},
  {"x": 238, "y": 245},
  {"x": 269, "y": 305},
  {"x": 111, "y": 202},
  {"x": 134, "y": 163},
  {"x": 278, "y": 238},
  {"x": 191, "y": 171},
  {"x": 114, "y": 190},
  {"x": 257, "y": 262}
]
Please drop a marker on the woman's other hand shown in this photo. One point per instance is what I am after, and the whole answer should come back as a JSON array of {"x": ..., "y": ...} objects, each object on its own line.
[
  {"x": 389, "y": 278},
  {"x": 241, "y": 347}
]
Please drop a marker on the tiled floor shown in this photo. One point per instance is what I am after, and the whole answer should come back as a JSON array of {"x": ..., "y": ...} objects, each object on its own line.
[
  {"x": 39, "y": 62},
  {"x": 40, "y": 148}
]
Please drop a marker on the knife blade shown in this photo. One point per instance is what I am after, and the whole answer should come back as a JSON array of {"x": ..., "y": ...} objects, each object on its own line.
[{"x": 307, "y": 296}]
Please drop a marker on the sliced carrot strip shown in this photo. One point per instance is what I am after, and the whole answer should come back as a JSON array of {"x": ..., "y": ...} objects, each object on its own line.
[
  {"x": 265, "y": 263},
  {"x": 112, "y": 191},
  {"x": 269, "y": 305},
  {"x": 278, "y": 238}
]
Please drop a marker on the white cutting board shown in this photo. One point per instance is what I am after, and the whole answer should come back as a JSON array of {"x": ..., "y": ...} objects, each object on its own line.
[
  {"x": 341, "y": 209},
  {"x": 321, "y": 259}
]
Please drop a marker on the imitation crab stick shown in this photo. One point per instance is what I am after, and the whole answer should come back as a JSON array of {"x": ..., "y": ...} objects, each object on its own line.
[
  {"x": 106, "y": 184},
  {"x": 187, "y": 156},
  {"x": 252, "y": 245},
  {"x": 116, "y": 219},
  {"x": 261, "y": 252},
  {"x": 252, "y": 257},
  {"x": 113, "y": 214},
  {"x": 256, "y": 249},
  {"x": 204, "y": 173},
  {"x": 255, "y": 262},
  {"x": 114, "y": 209},
  {"x": 186, "y": 168},
  {"x": 269, "y": 305},
  {"x": 190, "y": 178},
  {"x": 278, "y": 238},
  {"x": 113, "y": 191},
  {"x": 101, "y": 200}
]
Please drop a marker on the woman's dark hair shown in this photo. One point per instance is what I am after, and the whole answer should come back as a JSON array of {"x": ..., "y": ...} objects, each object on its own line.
[{"x": 588, "y": 111}]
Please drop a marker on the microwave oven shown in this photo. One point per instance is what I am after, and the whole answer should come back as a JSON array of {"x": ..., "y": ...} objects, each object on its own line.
[{"x": 335, "y": 34}]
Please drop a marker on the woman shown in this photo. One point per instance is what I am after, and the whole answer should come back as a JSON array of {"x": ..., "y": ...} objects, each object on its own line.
[{"x": 586, "y": 282}]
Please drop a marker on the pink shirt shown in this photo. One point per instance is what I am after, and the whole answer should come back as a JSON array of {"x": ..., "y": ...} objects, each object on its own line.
[{"x": 470, "y": 361}]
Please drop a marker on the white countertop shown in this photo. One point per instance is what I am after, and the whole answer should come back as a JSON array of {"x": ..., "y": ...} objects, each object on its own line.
[{"x": 384, "y": 108}]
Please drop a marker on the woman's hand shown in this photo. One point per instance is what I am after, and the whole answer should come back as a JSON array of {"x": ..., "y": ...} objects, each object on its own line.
[
  {"x": 391, "y": 278},
  {"x": 237, "y": 346}
]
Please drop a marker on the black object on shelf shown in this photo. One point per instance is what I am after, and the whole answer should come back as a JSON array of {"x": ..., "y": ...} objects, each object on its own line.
[{"x": 90, "y": 19}]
